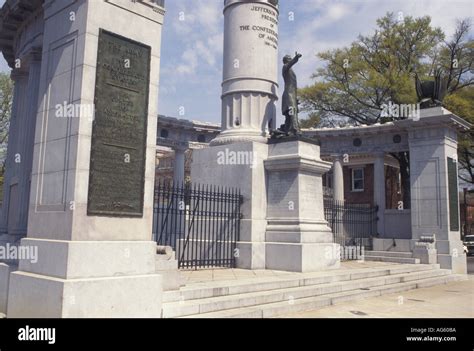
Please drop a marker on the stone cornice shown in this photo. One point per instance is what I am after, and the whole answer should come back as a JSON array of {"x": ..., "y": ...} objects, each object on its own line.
[
  {"x": 172, "y": 122},
  {"x": 445, "y": 119},
  {"x": 148, "y": 9},
  {"x": 292, "y": 162},
  {"x": 12, "y": 15}
]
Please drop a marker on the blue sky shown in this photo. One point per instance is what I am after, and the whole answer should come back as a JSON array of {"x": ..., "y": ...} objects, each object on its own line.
[{"x": 191, "y": 67}]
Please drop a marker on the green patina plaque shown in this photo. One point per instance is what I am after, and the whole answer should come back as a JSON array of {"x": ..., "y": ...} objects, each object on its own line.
[
  {"x": 453, "y": 194},
  {"x": 118, "y": 150}
]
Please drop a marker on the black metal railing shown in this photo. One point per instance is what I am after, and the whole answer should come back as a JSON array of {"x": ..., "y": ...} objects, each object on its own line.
[
  {"x": 353, "y": 226},
  {"x": 200, "y": 222}
]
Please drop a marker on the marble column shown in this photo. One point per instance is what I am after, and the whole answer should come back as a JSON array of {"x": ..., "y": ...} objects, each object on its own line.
[
  {"x": 338, "y": 178},
  {"x": 179, "y": 165},
  {"x": 379, "y": 190},
  {"x": 14, "y": 157},
  {"x": 27, "y": 130},
  {"x": 250, "y": 79}
]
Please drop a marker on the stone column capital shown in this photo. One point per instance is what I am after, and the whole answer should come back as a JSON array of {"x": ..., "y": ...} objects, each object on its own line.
[
  {"x": 35, "y": 54},
  {"x": 337, "y": 157},
  {"x": 379, "y": 154},
  {"x": 18, "y": 74},
  {"x": 181, "y": 147}
]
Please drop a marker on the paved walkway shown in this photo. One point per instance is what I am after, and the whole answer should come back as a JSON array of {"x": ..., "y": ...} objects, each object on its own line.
[{"x": 453, "y": 300}]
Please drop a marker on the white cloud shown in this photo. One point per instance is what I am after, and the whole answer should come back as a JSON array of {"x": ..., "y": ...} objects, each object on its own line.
[
  {"x": 189, "y": 62},
  {"x": 192, "y": 56},
  {"x": 199, "y": 28}
]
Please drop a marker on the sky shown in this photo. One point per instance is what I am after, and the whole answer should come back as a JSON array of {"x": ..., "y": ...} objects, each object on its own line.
[{"x": 192, "y": 45}]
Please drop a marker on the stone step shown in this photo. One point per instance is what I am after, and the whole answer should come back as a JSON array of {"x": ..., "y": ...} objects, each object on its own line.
[
  {"x": 223, "y": 288},
  {"x": 409, "y": 260},
  {"x": 214, "y": 304},
  {"x": 388, "y": 254},
  {"x": 311, "y": 303}
]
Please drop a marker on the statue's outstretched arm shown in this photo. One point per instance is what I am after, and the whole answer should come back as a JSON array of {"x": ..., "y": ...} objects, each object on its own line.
[{"x": 294, "y": 61}]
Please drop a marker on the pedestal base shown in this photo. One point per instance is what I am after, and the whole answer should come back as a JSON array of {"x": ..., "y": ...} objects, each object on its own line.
[
  {"x": 457, "y": 264},
  {"x": 38, "y": 296},
  {"x": 298, "y": 238},
  {"x": 79, "y": 279},
  {"x": 297, "y": 257},
  {"x": 240, "y": 166}
]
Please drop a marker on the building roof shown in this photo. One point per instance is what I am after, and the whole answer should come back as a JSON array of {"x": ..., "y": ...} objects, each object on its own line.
[
  {"x": 165, "y": 121},
  {"x": 432, "y": 116}
]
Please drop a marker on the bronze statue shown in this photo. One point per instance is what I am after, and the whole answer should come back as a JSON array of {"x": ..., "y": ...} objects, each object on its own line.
[
  {"x": 431, "y": 93},
  {"x": 289, "y": 99}
]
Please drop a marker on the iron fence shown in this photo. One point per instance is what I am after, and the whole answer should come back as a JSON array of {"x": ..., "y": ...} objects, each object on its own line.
[
  {"x": 200, "y": 222},
  {"x": 353, "y": 226}
]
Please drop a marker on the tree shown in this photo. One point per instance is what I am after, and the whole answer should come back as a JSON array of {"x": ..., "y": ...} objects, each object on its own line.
[
  {"x": 6, "y": 98},
  {"x": 461, "y": 103},
  {"x": 358, "y": 80},
  {"x": 375, "y": 70}
]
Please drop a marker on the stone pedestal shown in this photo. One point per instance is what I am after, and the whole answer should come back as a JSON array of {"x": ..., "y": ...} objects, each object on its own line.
[
  {"x": 166, "y": 265},
  {"x": 93, "y": 264},
  {"x": 240, "y": 165},
  {"x": 425, "y": 250},
  {"x": 86, "y": 279},
  {"x": 434, "y": 186},
  {"x": 297, "y": 237}
]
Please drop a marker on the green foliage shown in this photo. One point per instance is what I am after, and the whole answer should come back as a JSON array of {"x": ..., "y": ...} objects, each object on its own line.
[
  {"x": 313, "y": 120},
  {"x": 6, "y": 97},
  {"x": 461, "y": 103},
  {"x": 357, "y": 81}
]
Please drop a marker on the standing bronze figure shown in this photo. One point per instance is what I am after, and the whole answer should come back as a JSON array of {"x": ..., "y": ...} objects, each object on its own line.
[{"x": 289, "y": 99}]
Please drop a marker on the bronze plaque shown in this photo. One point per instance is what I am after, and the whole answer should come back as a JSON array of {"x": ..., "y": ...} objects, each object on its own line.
[
  {"x": 118, "y": 154},
  {"x": 453, "y": 194}
]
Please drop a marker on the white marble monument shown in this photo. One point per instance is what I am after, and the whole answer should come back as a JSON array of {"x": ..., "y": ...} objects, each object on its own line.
[
  {"x": 250, "y": 78},
  {"x": 90, "y": 264},
  {"x": 270, "y": 236}
]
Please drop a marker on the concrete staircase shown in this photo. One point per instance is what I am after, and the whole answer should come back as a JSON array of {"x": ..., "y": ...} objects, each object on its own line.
[
  {"x": 273, "y": 296},
  {"x": 391, "y": 256}
]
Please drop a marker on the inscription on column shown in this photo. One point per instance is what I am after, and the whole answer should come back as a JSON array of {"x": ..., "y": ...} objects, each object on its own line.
[
  {"x": 266, "y": 31},
  {"x": 118, "y": 154}
]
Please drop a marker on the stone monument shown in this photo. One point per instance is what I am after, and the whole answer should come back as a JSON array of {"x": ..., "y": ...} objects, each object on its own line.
[
  {"x": 250, "y": 77},
  {"x": 91, "y": 203},
  {"x": 283, "y": 224}
]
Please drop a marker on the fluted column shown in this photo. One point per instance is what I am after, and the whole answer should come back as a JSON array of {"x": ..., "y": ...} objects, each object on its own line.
[
  {"x": 14, "y": 157},
  {"x": 179, "y": 165},
  {"x": 28, "y": 126},
  {"x": 338, "y": 178},
  {"x": 379, "y": 191},
  {"x": 250, "y": 79}
]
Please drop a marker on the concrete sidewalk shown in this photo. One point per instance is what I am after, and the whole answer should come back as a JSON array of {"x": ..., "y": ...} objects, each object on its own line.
[{"x": 452, "y": 300}]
